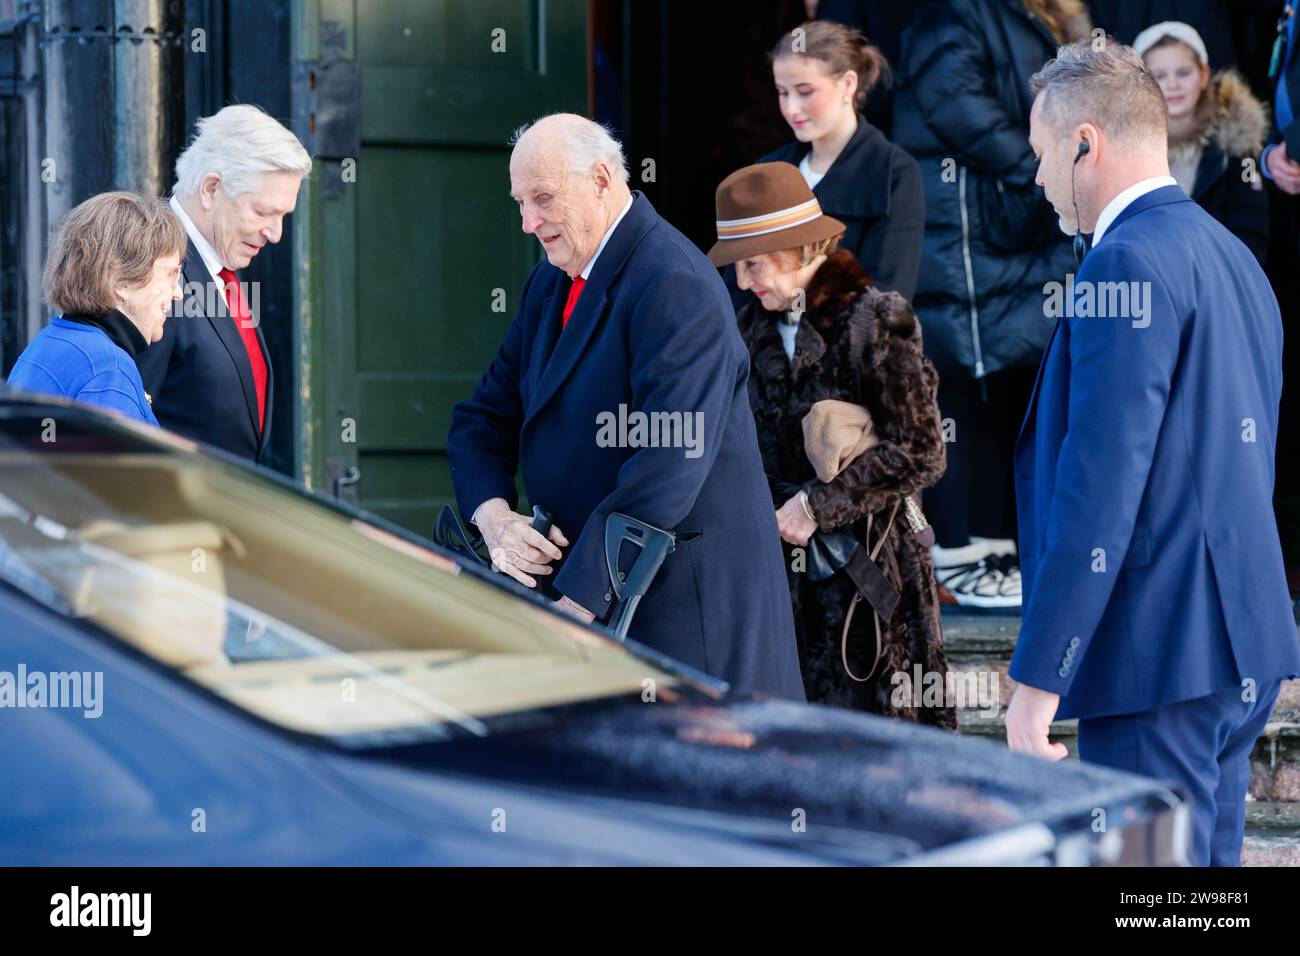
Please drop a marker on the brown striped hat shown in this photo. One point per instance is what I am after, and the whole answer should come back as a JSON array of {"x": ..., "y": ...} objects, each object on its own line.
[{"x": 764, "y": 208}]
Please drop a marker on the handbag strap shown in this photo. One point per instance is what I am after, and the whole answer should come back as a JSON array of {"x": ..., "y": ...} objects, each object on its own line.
[{"x": 848, "y": 617}]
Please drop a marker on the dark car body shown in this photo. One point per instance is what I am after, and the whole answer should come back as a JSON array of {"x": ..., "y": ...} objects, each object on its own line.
[{"x": 286, "y": 680}]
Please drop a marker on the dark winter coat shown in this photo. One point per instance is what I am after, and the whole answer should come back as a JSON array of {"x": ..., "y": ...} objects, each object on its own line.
[
  {"x": 1230, "y": 129},
  {"x": 898, "y": 387},
  {"x": 651, "y": 335},
  {"x": 991, "y": 240}
]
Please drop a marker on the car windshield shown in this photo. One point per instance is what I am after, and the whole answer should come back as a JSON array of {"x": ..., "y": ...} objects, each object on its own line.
[{"x": 311, "y": 617}]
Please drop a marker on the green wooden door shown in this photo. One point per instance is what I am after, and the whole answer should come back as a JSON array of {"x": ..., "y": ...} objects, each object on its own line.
[{"x": 416, "y": 254}]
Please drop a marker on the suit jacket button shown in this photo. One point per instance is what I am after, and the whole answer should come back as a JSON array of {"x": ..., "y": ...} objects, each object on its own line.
[
  {"x": 1064, "y": 672},
  {"x": 609, "y": 596},
  {"x": 1074, "y": 642},
  {"x": 1069, "y": 653}
]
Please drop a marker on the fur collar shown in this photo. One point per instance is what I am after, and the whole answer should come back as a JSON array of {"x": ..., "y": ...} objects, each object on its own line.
[
  {"x": 841, "y": 285},
  {"x": 835, "y": 287},
  {"x": 1229, "y": 115},
  {"x": 839, "y": 294}
]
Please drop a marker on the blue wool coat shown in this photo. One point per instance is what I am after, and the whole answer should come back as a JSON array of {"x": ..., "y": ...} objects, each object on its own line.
[
  {"x": 81, "y": 362},
  {"x": 1152, "y": 570},
  {"x": 653, "y": 331}
]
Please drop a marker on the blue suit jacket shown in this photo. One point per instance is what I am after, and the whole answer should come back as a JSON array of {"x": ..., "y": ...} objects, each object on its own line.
[
  {"x": 653, "y": 331},
  {"x": 81, "y": 362},
  {"x": 1144, "y": 477}
]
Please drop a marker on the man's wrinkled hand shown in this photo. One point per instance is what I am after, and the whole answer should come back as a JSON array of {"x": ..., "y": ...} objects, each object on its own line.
[{"x": 515, "y": 547}]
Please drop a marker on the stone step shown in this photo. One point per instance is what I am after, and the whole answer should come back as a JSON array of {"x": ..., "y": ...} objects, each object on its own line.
[
  {"x": 1273, "y": 817},
  {"x": 979, "y": 635},
  {"x": 1275, "y": 760},
  {"x": 981, "y": 645},
  {"x": 1270, "y": 850},
  {"x": 1272, "y": 833}
]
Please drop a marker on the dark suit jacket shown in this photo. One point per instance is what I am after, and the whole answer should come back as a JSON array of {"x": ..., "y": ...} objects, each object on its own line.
[
  {"x": 199, "y": 375},
  {"x": 1152, "y": 570},
  {"x": 653, "y": 331}
]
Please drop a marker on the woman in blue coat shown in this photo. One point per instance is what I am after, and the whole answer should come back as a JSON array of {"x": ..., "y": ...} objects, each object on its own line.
[{"x": 112, "y": 272}]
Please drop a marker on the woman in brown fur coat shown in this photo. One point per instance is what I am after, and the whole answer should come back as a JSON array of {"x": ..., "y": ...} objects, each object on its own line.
[{"x": 816, "y": 330}]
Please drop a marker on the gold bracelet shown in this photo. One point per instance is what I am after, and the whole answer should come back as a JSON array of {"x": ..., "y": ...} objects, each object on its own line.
[{"x": 807, "y": 509}]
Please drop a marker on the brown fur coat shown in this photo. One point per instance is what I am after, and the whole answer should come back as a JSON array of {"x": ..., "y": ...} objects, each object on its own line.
[{"x": 898, "y": 387}]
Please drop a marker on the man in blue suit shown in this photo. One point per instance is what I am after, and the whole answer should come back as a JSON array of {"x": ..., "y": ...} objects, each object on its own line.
[
  {"x": 1156, "y": 607},
  {"x": 621, "y": 386}
]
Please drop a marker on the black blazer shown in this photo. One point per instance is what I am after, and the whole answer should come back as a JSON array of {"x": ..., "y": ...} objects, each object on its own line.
[
  {"x": 874, "y": 188},
  {"x": 198, "y": 373}
]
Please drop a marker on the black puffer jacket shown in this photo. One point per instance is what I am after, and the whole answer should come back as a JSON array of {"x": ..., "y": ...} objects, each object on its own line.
[{"x": 991, "y": 239}]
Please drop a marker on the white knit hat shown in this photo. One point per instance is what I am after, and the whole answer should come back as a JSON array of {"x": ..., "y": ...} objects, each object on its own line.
[{"x": 1183, "y": 32}]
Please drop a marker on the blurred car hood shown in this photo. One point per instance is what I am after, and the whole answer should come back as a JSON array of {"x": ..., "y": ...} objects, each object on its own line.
[{"x": 830, "y": 782}]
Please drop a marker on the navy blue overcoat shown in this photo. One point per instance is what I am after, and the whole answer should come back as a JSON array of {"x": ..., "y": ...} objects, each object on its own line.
[{"x": 653, "y": 333}]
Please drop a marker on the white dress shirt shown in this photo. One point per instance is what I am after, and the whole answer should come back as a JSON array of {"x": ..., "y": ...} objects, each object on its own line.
[
  {"x": 209, "y": 255},
  {"x": 1121, "y": 202},
  {"x": 586, "y": 270}
]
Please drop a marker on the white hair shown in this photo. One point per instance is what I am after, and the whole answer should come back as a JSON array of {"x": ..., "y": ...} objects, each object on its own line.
[
  {"x": 239, "y": 144},
  {"x": 586, "y": 143}
]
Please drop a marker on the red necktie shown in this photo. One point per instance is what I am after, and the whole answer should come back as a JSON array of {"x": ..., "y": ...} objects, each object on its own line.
[
  {"x": 575, "y": 290},
  {"x": 243, "y": 319}
]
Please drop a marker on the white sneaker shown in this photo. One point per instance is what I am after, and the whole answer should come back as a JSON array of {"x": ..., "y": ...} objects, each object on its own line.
[
  {"x": 996, "y": 545},
  {"x": 991, "y": 581}
]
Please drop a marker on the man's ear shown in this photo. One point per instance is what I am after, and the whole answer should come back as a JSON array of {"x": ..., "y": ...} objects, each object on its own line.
[
  {"x": 208, "y": 187},
  {"x": 1090, "y": 134}
]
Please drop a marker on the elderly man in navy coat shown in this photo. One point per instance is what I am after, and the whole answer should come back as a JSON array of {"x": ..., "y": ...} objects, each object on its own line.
[
  {"x": 1156, "y": 607},
  {"x": 621, "y": 386}
]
